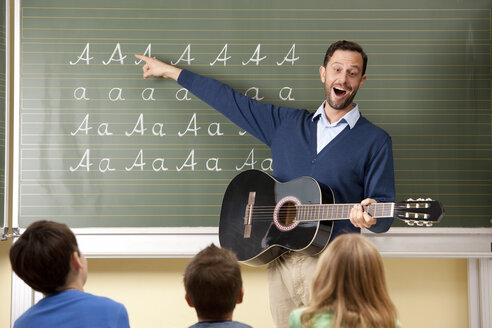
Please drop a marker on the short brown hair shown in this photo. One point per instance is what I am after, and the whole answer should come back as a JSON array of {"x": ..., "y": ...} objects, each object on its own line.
[
  {"x": 348, "y": 46},
  {"x": 213, "y": 282},
  {"x": 41, "y": 256}
]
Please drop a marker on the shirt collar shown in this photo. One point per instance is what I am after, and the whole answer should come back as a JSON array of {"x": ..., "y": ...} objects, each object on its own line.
[{"x": 350, "y": 118}]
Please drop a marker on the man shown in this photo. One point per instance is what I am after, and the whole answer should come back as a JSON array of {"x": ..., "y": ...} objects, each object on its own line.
[
  {"x": 47, "y": 258},
  {"x": 335, "y": 145},
  {"x": 213, "y": 287}
]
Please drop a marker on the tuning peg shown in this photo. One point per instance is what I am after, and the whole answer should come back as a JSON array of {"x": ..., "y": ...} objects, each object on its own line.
[
  {"x": 420, "y": 223},
  {"x": 409, "y": 200},
  {"x": 420, "y": 199},
  {"x": 410, "y": 222},
  {"x": 429, "y": 199},
  {"x": 428, "y": 224}
]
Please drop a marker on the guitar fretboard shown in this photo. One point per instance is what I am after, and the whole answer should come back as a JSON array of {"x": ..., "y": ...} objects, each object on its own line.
[{"x": 318, "y": 212}]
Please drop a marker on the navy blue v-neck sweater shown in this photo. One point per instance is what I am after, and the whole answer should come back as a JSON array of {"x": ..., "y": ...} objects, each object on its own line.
[{"x": 357, "y": 164}]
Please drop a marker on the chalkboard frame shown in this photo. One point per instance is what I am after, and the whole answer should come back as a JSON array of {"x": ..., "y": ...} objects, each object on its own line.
[{"x": 161, "y": 242}]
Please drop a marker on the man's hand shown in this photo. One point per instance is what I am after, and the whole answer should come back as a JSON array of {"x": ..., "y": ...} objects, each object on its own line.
[
  {"x": 359, "y": 217},
  {"x": 154, "y": 67}
]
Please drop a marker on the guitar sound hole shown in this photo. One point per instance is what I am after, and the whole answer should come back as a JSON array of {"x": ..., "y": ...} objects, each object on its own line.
[{"x": 287, "y": 214}]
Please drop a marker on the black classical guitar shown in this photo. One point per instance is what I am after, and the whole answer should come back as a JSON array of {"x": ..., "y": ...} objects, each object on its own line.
[{"x": 262, "y": 218}]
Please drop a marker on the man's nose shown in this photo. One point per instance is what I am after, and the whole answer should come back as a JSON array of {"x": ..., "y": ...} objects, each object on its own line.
[{"x": 343, "y": 77}]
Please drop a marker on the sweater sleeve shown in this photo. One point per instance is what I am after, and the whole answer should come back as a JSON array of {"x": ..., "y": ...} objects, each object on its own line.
[
  {"x": 380, "y": 182},
  {"x": 259, "y": 119}
]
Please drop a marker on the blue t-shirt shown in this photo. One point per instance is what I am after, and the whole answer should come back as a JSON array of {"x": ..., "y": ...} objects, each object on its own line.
[
  {"x": 74, "y": 309},
  {"x": 220, "y": 324}
]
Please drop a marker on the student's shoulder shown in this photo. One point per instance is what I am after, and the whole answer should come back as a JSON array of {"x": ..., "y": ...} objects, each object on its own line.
[
  {"x": 295, "y": 317},
  {"x": 320, "y": 320},
  {"x": 102, "y": 299},
  {"x": 99, "y": 301},
  {"x": 297, "y": 312},
  {"x": 24, "y": 320}
]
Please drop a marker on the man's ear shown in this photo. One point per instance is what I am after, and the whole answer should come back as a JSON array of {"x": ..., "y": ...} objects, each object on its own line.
[
  {"x": 322, "y": 73},
  {"x": 188, "y": 300},
  {"x": 362, "y": 80},
  {"x": 240, "y": 296},
  {"x": 75, "y": 261}
]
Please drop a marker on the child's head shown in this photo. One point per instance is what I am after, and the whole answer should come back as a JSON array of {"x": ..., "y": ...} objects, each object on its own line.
[
  {"x": 213, "y": 283},
  {"x": 41, "y": 256},
  {"x": 350, "y": 283},
  {"x": 350, "y": 266}
]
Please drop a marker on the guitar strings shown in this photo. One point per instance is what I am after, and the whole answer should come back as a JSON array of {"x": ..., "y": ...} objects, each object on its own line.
[{"x": 266, "y": 213}]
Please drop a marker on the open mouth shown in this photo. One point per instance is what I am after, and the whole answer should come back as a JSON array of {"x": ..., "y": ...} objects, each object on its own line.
[{"x": 339, "y": 92}]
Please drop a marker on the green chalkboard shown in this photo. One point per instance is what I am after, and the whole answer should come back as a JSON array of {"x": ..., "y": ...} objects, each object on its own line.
[{"x": 98, "y": 146}]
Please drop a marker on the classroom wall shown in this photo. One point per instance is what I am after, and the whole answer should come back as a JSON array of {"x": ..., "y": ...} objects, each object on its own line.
[{"x": 427, "y": 292}]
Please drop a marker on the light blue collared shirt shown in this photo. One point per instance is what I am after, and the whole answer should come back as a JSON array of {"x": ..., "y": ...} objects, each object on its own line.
[{"x": 326, "y": 131}]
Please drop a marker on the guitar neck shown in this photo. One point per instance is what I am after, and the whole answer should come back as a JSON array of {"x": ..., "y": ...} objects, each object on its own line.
[{"x": 320, "y": 212}]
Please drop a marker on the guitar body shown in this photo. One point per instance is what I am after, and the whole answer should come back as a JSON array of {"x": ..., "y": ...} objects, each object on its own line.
[
  {"x": 262, "y": 218},
  {"x": 272, "y": 231}
]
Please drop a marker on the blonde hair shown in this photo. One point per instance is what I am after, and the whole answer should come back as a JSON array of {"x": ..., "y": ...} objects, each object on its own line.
[{"x": 349, "y": 283}]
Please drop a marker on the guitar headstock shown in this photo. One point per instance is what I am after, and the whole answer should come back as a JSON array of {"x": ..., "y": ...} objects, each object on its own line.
[{"x": 420, "y": 212}]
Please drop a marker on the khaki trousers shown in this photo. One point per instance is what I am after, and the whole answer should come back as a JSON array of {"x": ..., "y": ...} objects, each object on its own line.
[{"x": 289, "y": 284}]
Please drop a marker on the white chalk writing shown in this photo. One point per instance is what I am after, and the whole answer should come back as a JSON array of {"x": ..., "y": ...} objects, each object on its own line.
[{"x": 95, "y": 125}]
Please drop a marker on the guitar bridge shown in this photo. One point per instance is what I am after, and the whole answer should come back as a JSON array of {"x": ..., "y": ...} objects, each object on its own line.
[{"x": 248, "y": 214}]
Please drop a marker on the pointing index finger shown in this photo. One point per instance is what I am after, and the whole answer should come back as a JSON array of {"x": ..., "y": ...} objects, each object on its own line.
[{"x": 142, "y": 57}]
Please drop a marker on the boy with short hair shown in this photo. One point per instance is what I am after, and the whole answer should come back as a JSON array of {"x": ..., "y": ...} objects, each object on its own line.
[
  {"x": 47, "y": 258},
  {"x": 213, "y": 287}
]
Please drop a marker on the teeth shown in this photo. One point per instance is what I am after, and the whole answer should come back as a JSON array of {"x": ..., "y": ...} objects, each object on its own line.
[{"x": 339, "y": 92}]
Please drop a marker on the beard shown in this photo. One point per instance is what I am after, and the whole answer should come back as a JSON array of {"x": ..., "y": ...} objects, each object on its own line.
[{"x": 340, "y": 104}]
